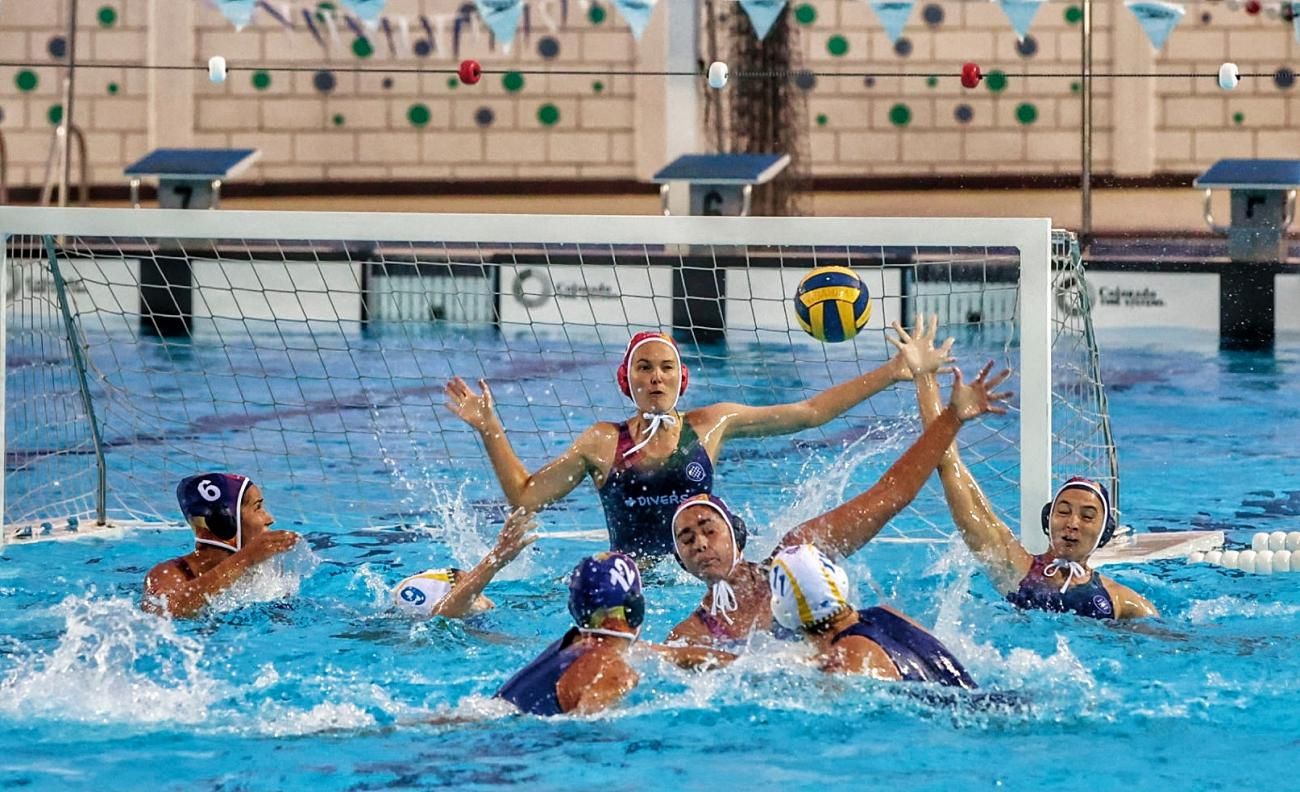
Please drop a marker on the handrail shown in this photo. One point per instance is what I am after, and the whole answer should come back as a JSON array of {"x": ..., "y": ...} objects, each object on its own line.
[
  {"x": 83, "y": 191},
  {"x": 4, "y": 171}
]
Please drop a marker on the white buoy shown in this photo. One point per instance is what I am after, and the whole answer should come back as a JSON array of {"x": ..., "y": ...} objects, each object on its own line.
[
  {"x": 718, "y": 75},
  {"x": 1229, "y": 76},
  {"x": 217, "y": 69},
  {"x": 1214, "y": 557},
  {"x": 1277, "y": 541},
  {"x": 1282, "y": 561},
  {"x": 1264, "y": 562},
  {"x": 1196, "y": 558},
  {"x": 1259, "y": 542},
  {"x": 1293, "y": 540},
  {"x": 1229, "y": 558},
  {"x": 1246, "y": 561}
]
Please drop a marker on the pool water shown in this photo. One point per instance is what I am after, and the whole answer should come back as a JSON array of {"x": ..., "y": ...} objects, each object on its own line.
[{"x": 314, "y": 684}]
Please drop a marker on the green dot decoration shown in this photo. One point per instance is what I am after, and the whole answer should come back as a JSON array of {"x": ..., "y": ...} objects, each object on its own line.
[
  {"x": 55, "y": 114},
  {"x": 321, "y": 8},
  {"x": 805, "y": 14},
  {"x": 107, "y": 16},
  {"x": 837, "y": 45},
  {"x": 900, "y": 115},
  {"x": 362, "y": 48},
  {"x": 261, "y": 80},
  {"x": 1026, "y": 113},
  {"x": 453, "y": 83},
  {"x": 113, "y": 89},
  {"x": 596, "y": 14},
  {"x": 548, "y": 114},
  {"x": 513, "y": 82},
  {"x": 1076, "y": 87},
  {"x": 932, "y": 81},
  {"x": 598, "y": 86},
  {"x": 338, "y": 119},
  {"x": 822, "y": 119},
  {"x": 996, "y": 80},
  {"x": 1238, "y": 118},
  {"x": 418, "y": 114},
  {"x": 1074, "y": 15},
  {"x": 26, "y": 80}
]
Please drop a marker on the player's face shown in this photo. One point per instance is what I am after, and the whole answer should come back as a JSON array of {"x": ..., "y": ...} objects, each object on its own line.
[
  {"x": 704, "y": 543},
  {"x": 253, "y": 516},
  {"x": 655, "y": 377},
  {"x": 1078, "y": 518}
]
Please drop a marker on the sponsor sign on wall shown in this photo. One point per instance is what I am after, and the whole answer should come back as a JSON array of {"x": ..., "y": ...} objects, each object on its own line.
[
  {"x": 1286, "y": 314},
  {"x": 591, "y": 295},
  {"x": 1153, "y": 299}
]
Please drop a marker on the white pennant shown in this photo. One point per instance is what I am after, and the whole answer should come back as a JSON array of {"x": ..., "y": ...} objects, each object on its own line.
[
  {"x": 238, "y": 12},
  {"x": 367, "y": 10},
  {"x": 636, "y": 13},
  {"x": 893, "y": 15},
  {"x": 1157, "y": 18},
  {"x": 502, "y": 18},
  {"x": 763, "y": 14},
  {"x": 1021, "y": 13}
]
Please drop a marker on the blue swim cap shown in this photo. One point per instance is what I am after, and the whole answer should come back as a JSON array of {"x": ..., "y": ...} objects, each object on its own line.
[
  {"x": 215, "y": 498},
  {"x": 604, "y": 585}
]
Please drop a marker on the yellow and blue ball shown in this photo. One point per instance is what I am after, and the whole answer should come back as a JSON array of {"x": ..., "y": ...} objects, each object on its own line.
[{"x": 832, "y": 304}]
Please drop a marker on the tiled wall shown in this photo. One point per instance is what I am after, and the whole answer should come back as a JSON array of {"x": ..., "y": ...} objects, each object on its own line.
[{"x": 327, "y": 122}]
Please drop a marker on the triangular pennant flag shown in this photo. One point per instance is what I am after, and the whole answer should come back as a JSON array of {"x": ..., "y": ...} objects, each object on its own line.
[
  {"x": 1158, "y": 19},
  {"x": 763, "y": 14},
  {"x": 636, "y": 13},
  {"x": 501, "y": 17},
  {"x": 238, "y": 12},
  {"x": 368, "y": 10},
  {"x": 893, "y": 15},
  {"x": 1021, "y": 13}
]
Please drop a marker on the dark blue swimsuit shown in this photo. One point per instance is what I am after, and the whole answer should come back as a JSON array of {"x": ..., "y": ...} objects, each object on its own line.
[
  {"x": 1039, "y": 592},
  {"x": 532, "y": 689},
  {"x": 917, "y": 654},
  {"x": 639, "y": 500}
]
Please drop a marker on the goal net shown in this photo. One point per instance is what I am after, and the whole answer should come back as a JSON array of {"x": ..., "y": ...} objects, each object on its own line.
[{"x": 309, "y": 351}]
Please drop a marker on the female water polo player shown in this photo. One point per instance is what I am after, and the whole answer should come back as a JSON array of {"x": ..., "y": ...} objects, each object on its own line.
[
  {"x": 231, "y": 536},
  {"x": 644, "y": 466},
  {"x": 810, "y": 595},
  {"x": 709, "y": 538},
  {"x": 455, "y": 594},
  {"x": 1078, "y": 520}
]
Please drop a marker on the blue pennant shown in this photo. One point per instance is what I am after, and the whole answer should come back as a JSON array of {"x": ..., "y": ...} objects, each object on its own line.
[
  {"x": 368, "y": 10},
  {"x": 1158, "y": 19},
  {"x": 1295, "y": 19},
  {"x": 763, "y": 14},
  {"x": 893, "y": 15},
  {"x": 501, "y": 17},
  {"x": 636, "y": 13},
  {"x": 1021, "y": 13},
  {"x": 238, "y": 12}
]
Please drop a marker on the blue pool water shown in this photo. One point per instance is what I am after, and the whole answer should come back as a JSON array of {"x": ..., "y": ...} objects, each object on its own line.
[{"x": 317, "y": 686}]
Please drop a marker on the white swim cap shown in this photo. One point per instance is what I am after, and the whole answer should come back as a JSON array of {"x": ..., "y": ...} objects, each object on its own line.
[
  {"x": 419, "y": 594},
  {"x": 808, "y": 589}
]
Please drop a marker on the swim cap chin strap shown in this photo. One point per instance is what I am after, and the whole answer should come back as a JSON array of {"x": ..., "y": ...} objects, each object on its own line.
[
  {"x": 632, "y": 636},
  {"x": 239, "y": 523},
  {"x": 656, "y": 419},
  {"x": 1073, "y": 568}
]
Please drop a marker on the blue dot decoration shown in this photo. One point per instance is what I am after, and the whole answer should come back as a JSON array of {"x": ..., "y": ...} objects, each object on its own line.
[
  {"x": 324, "y": 81},
  {"x": 387, "y": 83},
  {"x": 1284, "y": 78},
  {"x": 933, "y": 15},
  {"x": 423, "y": 48},
  {"x": 870, "y": 82},
  {"x": 963, "y": 114},
  {"x": 1207, "y": 18},
  {"x": 57, "y": 47},
  {"x": 806, "y": 80},
  {"x": 903, "y": 47},
  {"x": 484, "y": 117},
  {"x": 548, "y": 47},
  {"x": 1028, "y": 47}
]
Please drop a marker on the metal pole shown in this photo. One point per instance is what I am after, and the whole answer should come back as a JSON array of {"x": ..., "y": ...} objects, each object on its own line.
[
  {"x": 69, "y": 81},
  {"x": 1085, "y": 178}
]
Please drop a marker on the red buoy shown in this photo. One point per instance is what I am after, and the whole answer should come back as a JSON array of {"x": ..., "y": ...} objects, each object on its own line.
[
  {"x": 470, "y": 72},
  {"x": 971, "y": 75},
  {"x": 1254, "y": 7}
]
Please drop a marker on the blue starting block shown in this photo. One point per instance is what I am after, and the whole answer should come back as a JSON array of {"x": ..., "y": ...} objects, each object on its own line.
[
  {"x": 188, "y": 178},
  {"x": 720, "y": 184},
  {"x": 1263, "y": 207}
]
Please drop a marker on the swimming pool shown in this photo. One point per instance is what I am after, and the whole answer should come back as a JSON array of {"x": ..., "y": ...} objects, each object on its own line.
[{"x": 317, "y": 686}]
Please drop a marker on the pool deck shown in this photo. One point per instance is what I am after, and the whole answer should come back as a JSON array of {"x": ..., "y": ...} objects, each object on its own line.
[{"x": 1145, "y": 547}]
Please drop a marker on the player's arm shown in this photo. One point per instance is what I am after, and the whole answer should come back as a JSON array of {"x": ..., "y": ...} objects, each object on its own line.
[
  {"x": 516, "y": 534},
  {"x": 1128, "y": 603},
  {"x": 167, "y": 590},
  {"x": 691, "y": 631},
  {"x": 596, "y": 681}
]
